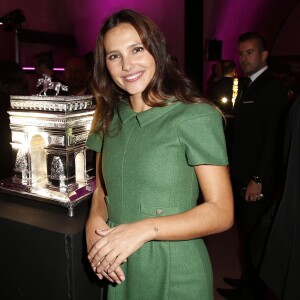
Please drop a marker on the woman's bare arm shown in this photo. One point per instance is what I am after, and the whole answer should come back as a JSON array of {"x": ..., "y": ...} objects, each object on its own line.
[
  {"x": 212, "y": 216},
  {"x": 97, "y": 221}
]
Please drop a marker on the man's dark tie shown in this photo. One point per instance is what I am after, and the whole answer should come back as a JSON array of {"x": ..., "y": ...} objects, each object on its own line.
[{"x": 248, "y": 81}]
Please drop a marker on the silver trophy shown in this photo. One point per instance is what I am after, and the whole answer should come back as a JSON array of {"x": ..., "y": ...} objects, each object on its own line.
[{"x": 51, "y": 162}]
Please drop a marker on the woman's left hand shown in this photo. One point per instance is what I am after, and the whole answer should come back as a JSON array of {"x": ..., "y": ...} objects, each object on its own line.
[
  {"x": 117, "y": 244},
  {"x": 253, "y": 192}
]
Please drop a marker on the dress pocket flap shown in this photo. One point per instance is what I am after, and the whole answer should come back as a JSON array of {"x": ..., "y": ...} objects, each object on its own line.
[{"x": 155, "y": 211}]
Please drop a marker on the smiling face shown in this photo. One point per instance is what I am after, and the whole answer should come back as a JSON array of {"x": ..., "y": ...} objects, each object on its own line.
[
  {"x": 251, "y": 57},
  {"x": 129, "y": 63}
]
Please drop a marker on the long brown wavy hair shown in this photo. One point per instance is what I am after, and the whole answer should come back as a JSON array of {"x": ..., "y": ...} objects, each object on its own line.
[{"x": 167, "y": 82}]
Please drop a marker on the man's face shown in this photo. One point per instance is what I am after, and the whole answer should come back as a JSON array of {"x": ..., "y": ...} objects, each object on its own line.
[{"x": 252, "y": 59}]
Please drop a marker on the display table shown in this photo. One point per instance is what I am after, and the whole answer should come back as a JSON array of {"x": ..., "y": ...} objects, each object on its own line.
[{"x": 43, "y": 252}]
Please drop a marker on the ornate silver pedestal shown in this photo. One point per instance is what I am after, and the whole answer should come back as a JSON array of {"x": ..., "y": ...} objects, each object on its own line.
[{"x": 51, "y": 162}]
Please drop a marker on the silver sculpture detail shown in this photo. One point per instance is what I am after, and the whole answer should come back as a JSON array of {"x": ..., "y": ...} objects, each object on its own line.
[
  {"x": 56, "y": 140},
  {"x": 53, "y": 103},
  {"x": 21, "y": 165},
  {"x": 57, "y": 168},
  {"x": 49, "y": 85}
]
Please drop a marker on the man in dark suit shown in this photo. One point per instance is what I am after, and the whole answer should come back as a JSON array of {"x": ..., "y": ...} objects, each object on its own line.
[
  {"x": 283, "y": 246},
  {"x": 255, "y": 154}
]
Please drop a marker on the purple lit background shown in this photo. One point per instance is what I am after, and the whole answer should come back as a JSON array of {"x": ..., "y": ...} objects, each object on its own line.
[
  {"x": 223, "y": 19},
  {"x": 169, "y": 14}
]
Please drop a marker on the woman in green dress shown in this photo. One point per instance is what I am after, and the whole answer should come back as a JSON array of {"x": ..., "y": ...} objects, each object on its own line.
[{"x": 157, "y": 141}]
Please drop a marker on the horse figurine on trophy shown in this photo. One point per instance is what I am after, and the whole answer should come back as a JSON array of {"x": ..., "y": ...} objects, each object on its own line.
[{"x": 49, "y": 85}]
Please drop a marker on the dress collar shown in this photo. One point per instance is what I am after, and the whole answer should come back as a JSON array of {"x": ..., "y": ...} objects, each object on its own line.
[{"x": 125, "y": 112}]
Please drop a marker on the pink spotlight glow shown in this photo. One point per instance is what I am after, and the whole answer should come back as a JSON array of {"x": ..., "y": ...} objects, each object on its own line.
[{"x": 33, "y": 69}]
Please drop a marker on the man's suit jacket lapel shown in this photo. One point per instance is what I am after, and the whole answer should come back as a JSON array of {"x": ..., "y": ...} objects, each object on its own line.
[{"x": 248, "y": 90}]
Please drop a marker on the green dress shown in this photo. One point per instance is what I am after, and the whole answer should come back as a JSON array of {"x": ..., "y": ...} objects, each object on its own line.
[{"x": 148, "y": 172}]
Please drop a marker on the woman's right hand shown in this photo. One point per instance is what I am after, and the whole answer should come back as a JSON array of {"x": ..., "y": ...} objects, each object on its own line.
[
  {"x": 91, "y": 238},
  {"x": 97, "y": 221}
]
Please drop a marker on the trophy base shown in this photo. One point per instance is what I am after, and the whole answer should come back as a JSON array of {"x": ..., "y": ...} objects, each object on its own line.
[{"x": 41, "y": 192}]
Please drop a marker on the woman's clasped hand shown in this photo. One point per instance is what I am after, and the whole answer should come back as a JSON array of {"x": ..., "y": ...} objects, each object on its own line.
[{"x": 116, "y": 245}]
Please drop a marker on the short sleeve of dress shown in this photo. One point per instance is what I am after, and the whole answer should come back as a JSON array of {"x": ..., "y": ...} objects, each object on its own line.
[
  {"x": 202, "y": 138},
  {"x": 95, "y": 142}
]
